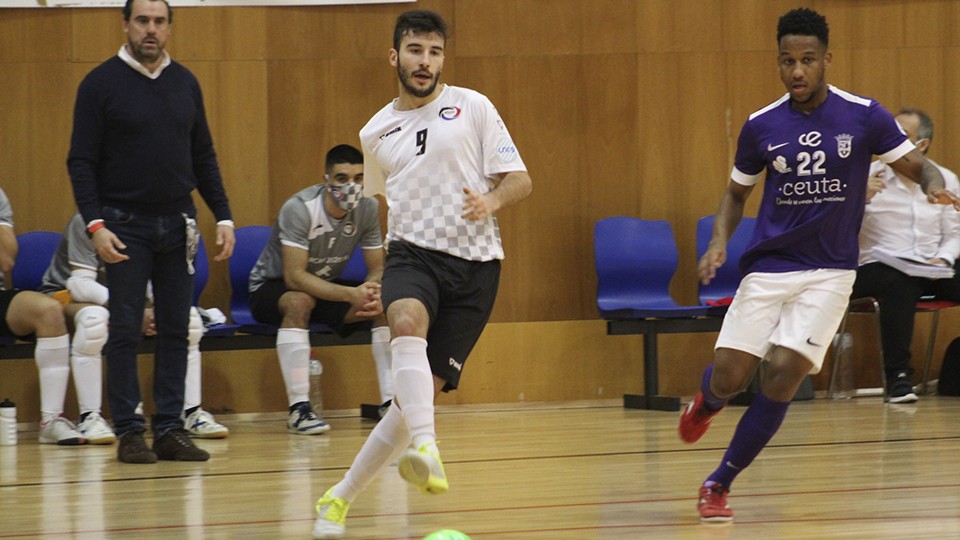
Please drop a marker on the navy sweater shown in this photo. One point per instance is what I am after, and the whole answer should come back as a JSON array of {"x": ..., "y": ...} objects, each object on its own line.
[{"x": 142, "y": 144}]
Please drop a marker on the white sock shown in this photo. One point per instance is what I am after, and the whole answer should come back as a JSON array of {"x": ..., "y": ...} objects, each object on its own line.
[
  {"x": 380, "y": 347},
  {"x": 387, "y": 440},
  {"x": 53, "y": 362},
  {"x": 87, "y": 381},
  {"x": 293, "y": 350},
  {"x": 191, "y": 384},
  {"x": 413, "y": 382}
]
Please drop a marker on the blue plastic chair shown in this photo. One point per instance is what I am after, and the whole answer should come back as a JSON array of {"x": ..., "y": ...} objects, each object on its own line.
[
  {"x": 635, "y": 261},
  {"x": 250, "y": 243},
  {"x": 725, "y": 283},
  {"x": 355, "y": 272},
  {"x": 36, "y": 250},
  {"x": 201, "y": 276}
]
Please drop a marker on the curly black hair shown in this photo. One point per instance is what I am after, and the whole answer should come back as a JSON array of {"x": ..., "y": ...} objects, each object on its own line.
[{"x": 804, "y": 22}]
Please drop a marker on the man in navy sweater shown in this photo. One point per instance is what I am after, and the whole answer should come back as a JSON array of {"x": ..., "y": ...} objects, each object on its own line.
[{"x": 140, "y": 146}]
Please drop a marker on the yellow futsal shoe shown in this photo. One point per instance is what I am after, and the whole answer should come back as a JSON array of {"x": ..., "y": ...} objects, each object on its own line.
[
  {"x": 331, "y": 515},
  {"x": 422, "y": 467}
]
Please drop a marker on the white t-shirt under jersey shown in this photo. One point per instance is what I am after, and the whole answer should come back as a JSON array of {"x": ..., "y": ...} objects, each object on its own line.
[{"x": 426, "y": 156}]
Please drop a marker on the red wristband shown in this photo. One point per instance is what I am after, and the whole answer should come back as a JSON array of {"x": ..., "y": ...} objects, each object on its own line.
[{"x": 94, "y": 227}]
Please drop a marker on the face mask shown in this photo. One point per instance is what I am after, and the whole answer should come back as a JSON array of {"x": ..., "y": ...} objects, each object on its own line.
[{"x": 346, "y": 196}]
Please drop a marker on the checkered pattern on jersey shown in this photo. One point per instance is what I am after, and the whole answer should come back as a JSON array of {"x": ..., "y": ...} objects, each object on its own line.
[{"x": 429, "y": 214}]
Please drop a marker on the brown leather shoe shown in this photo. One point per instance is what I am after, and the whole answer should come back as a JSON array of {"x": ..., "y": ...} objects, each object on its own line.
[
  {"x": 131, "y": 448},
  {"x": 175, "y": 445}
]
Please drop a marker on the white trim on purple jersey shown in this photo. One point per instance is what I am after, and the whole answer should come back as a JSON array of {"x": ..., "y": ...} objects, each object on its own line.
[{"x": 816, "y": 178}]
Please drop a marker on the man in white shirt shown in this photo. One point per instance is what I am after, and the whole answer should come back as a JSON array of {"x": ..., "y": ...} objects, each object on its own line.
[{"x": 900, "y": 221}]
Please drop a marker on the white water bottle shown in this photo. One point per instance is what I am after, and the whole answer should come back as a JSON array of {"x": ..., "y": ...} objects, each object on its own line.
[
  {"x": 316, "y": 394},
  {"x": 8, "y": 423}
]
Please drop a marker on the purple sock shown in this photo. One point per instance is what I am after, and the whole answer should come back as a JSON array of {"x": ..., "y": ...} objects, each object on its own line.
[
  {"x": 755, "y": 429},
  {"x": 710, "y": 400}
]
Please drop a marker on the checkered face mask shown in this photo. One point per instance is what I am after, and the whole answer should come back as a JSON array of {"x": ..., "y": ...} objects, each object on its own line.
[{"x": 346, "y": 196}]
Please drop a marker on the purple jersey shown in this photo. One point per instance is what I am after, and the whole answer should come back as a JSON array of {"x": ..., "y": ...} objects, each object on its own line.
[{"x": 816, "y": 183}]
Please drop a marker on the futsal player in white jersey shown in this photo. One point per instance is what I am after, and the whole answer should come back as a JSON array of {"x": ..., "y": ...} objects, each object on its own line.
[
  {"x": 814, "y": 147},
  {"x": 449, "y": 164},
  {"x": 295, "y": 280},
  {"x": 32, "y": 316},
  {"x": 76, "y": 278}
]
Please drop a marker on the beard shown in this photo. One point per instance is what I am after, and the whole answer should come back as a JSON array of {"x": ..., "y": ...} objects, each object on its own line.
[
  {"x": 413, "y": 90},
  {"x": 140, "y": 54}
]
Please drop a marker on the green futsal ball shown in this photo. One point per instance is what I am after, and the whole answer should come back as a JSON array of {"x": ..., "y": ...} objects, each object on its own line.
[{"x": 446, "y": 534}]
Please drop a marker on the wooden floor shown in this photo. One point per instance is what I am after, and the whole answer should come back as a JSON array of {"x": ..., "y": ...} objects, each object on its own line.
[{"x": 837, "y": 469}]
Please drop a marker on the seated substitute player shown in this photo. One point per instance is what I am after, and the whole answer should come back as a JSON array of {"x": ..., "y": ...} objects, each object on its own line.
[
  {"x": 294, "y": 281},
  {"x": 31, "y": 316},
  {"x": 75, "y": 277},
  {"x": 814, "y": 145}
]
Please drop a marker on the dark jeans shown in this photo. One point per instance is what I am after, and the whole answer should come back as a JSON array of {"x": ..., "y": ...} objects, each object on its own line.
[
  {"x": 898, "y": 294},
  {"x": 157, "y": 250}
]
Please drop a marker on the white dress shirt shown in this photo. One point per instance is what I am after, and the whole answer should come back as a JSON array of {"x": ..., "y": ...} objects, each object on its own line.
[{"x": 901, "y": 221}]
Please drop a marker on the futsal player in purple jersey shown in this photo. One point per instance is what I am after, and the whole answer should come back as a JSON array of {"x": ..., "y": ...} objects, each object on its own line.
[{"x": 815, "y": 145}]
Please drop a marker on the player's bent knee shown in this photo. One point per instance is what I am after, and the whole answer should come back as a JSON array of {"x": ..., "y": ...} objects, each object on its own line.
[{"x": 91, "y": 325}]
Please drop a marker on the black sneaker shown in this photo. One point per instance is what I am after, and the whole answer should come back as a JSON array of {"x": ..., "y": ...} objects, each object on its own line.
[
  {"x": 901, "y": 390},
  {"x": 382, "y": 411},
  {"x": 131, "y": 448},
  {"x": 175, "y": 445}
]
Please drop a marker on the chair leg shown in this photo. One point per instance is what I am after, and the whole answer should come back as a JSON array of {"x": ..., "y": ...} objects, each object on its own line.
[
  {"x": 883, "y": 370},
  {"x": 834, "y": 372},
  {"x": 928, "y": 359}
]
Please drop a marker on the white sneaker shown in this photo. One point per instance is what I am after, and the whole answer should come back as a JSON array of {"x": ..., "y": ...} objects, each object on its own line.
[
  {"x": 60, "y": 431},
  {"x": 96, "y": 430},
  {"x": 201, "y": 425},
  {"x": 303, "y": 421}
]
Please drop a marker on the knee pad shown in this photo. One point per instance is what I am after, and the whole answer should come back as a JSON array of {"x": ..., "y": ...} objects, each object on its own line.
[
  {"x": 90, "y": 334},
  {"x": 195, "y": 330}
]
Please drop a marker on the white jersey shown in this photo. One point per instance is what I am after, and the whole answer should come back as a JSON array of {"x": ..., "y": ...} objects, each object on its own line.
[{"x": 427, "y": 156}]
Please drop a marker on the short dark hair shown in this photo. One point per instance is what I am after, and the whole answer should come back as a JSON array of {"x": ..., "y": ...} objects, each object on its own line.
[
  {"x": 925, "y": 130},
  {"x": 128, "y": 10},
  {"x": 804, "y": 22},
  {"x": 343, "y": 153},
  {"x": 418, "y": 21}
]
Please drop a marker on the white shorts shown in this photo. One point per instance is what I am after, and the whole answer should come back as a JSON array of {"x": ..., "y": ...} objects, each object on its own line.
[{"x": 797, "y": 310}]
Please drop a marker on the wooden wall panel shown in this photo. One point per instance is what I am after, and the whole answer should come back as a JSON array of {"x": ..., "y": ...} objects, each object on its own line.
[
  {"x": 240, "y": 34},
  {"x": 609, "y": 27},
  {"x": 948, "y": 124},
  {"x": 15, "y": 138},
  {"x": 33, "y": 35},
  {"x": 929, "y": 24},
  {"x": 863, "y": 25},
  {"x": 673, "y": 26},
  {"x": 97, "y": 33},
  {"x": 751, "y": 25},
  {"x": 618, "y": 107}
]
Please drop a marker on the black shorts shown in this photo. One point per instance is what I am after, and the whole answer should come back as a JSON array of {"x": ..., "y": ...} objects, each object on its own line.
[
  {"x": 265, "y": 300},
  {"x": 6, "y": 296},
  {"x": 458, "y": 294}
]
